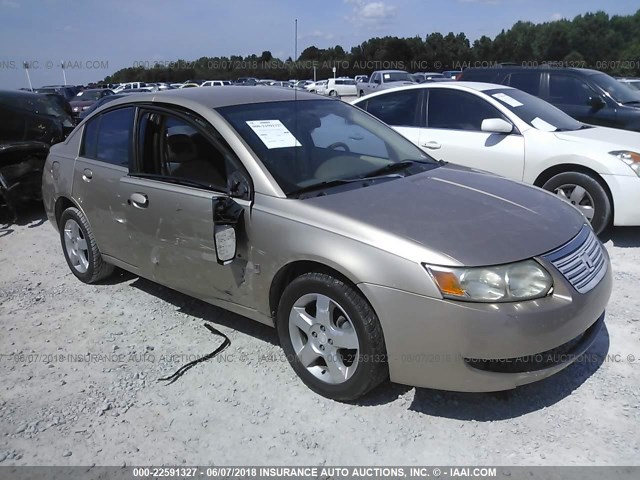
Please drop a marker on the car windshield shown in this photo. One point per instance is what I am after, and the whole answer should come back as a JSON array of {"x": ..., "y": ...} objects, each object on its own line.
[
  {"x": 618, "y": 92},
  {"x": 396, "y": 77},
  {"x": 314, "y": 142},
  {"x": 534, "y": 111},
  {"x": 87, "y": 96}
]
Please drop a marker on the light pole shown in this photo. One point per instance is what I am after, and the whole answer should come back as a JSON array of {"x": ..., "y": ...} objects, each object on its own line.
[
  {"x": 26, "y": 69},
  {"x": 64, "y": 74}
]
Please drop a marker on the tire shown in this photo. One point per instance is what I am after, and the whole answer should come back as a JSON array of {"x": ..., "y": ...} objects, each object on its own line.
[
  {"x": 361, "y": 93},
  {"x": 586, "y": 193},
  {"x": 85, "y": 263},
  {"x": 333, "y": 93},
  {"x": 322, "y": 352}
]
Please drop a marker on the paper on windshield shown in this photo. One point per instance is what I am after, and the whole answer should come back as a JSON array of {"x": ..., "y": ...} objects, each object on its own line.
[
  {"x": 542, "y": 125},
  {"x": 386, "y": 76},
  {"x": 273, "y": 134},
  {"x": 503, "y": 97}
]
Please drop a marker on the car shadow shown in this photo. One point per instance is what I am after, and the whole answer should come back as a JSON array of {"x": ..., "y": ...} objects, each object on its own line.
[
  {"x": 31, "y": 215},
  {"x": 487, "y": 407},
  {"x": 624, "y": 237},
  {"x": 205, "y": 311}
]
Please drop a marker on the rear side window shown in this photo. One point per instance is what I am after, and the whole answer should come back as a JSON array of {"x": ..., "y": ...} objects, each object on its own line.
[
  {"x": 108, "y": 137},
  {"x": 526, "y": 81},
  {"x": 398, "y": 109},
  {"x": 488, "y": 76}
]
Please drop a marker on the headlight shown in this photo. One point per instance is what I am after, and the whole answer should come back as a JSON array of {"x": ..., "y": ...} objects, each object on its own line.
[
  {"x": 504, "y": 283},
  {"x": 630, "y": 158}
]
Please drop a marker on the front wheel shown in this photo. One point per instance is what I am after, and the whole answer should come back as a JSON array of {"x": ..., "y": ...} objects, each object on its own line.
[
  {"x": 331, "y": 337},
  {"x": 586, "y": 193},
  {"x": 333, "y": 93}
]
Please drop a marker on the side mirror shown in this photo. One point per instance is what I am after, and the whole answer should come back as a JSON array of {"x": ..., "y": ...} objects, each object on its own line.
[
  {"x": 596, "y": 102},
  {"x": 377, "y": 81},
  {"x": 226, "y": 217},
  {"x": 496, "y": 125}
]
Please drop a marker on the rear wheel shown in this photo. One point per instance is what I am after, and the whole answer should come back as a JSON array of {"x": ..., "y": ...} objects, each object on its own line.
[
  {"x": 331, "y": 336},
  {"x": 586, "y": 193},
  {"x": 361, "y": 93},
  {"x": 80, "y": 248}
]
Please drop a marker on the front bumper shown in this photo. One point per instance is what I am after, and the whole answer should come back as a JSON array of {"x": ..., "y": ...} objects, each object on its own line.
[
  {"x": 625, "y": 191},
  {"x": 439, "y": 343}
]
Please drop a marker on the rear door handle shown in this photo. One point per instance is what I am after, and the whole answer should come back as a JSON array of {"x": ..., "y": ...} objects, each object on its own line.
[
  {"x": 431, "y": 145},
  {"x": 87, "y": 175},
  {"x": 138, "y": 200}
]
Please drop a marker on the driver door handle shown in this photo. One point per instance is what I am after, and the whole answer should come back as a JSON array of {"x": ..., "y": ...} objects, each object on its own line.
[
  {"x": 138, "y": 200},
  {"x": 431, "y": 145}
]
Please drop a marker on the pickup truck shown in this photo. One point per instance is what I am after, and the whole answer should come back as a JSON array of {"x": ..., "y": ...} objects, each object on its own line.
[{"x": 383, "y": 79}]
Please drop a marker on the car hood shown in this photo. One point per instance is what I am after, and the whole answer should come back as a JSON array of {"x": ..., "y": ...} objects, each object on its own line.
[
  {"x": 603, "y": 138},
  {"x": 472, "y": 217}
]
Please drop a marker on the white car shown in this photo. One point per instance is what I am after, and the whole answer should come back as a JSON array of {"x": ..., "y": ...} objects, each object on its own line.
[
  {"x": 511, "y": 133},
  {"x": 216, "y": 83},
  {"x": 321, "y": 87},
  {"x": 129, "y": 86},
  {"x": 341, "y": 87}
]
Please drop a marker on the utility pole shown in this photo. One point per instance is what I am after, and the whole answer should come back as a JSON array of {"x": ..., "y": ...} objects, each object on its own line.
[
  {"x": 26, "y": 69},
  {"x": 64, "y": 74}
]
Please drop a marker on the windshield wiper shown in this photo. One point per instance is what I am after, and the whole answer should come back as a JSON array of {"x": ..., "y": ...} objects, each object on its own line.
[
  {"x": 393, "y": 167},
  {"x": 631, "y": 102},
  {"x": 323, "y": 185}
]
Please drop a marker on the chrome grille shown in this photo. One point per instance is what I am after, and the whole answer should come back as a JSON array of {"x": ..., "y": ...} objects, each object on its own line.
[{"x": 582, "y": 261}]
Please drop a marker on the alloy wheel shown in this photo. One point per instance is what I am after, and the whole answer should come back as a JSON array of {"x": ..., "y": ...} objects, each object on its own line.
[
  {"x": 579, "y": 197},
  {"x": 324, "y": 338},
  {"x": 76, "y": 246}
]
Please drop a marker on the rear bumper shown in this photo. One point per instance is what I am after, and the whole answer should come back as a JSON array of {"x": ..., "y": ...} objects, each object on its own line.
[
  {"x": 477, "y": 347},
  {"x": 625, "y": 191}
]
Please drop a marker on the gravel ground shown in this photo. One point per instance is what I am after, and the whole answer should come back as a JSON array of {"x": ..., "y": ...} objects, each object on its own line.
[{"x": 60, "y": 406}]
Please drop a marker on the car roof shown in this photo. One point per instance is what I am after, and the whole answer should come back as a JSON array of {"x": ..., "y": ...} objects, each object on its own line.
[
  {"x": 510, "y": 68},
  {"x": 17, "y": 93},
  {"x": 477, "y": 86},
  {"x": 232, "y": 95}
]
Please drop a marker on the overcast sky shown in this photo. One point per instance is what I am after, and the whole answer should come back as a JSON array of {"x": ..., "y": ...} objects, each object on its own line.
[{"x": 94, "y": 34}]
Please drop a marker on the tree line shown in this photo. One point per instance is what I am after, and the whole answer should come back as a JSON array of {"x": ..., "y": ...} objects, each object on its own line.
[{"x": 593, "y": 40}]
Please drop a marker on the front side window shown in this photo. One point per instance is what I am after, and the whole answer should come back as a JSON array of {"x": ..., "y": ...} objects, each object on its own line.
[
  {"x": 107, "y": 137},
  {"x": 188, "y": 151},
  {"x": 399, "y": 109},
  {"x": 567, "y": 90},
  {"x": 456, "y": 110}
]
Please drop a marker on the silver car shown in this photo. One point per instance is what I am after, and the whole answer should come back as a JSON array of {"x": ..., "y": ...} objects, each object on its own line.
[{"x": 371, "y": 259}]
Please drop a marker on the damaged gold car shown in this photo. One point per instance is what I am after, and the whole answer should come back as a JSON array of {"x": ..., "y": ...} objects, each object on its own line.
[{"x": 312, "y": 216}]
